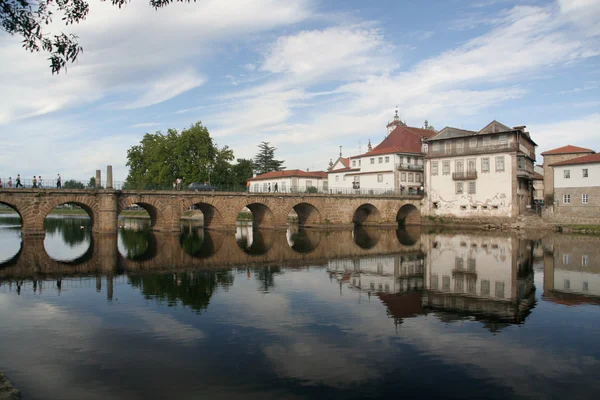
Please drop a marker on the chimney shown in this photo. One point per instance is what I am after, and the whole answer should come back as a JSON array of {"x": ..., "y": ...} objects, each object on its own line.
[{"x": 307, "y": 170}]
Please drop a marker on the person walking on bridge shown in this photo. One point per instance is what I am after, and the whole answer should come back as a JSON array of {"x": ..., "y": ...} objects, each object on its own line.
[
  {"x": 58, "y": 182},
  {"x": 18, "y": 181},
  {"x": 9, "y": 182},
  {"x": 40, "y": 181},
  {"x": 34, "y": 185}
]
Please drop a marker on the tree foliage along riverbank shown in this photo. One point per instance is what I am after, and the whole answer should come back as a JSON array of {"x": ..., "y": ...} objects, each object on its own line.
[{"x": 191, "y": 154}]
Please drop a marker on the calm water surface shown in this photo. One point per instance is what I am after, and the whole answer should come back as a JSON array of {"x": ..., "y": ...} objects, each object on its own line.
[{"x": 297, "y": 314}]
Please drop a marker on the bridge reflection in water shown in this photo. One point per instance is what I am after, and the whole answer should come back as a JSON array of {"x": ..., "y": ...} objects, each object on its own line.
[{"x": 487, "y": 277}]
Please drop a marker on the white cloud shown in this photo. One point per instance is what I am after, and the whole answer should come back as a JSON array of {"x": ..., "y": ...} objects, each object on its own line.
[
  {"x": 337, "y": 53},
  {"x": 581, "y": 132},
  {"x": 583, "y": 13},
  {"x": 166, "y": 87},
  {"x": 135, "y": 49},
  {"x": 145, "y": 125}
]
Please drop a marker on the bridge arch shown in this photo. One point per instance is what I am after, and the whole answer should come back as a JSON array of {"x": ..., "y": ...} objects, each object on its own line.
[
  {"x": 86, "y": 203},
  {"x": 366, "y": 214},
  {"x": 164, "y": 216},
  {"x": 308, "y": 214},
  {"x": 262, "y": 216},
  {"x": 13, "y": 207},
  {"x": 211, "y": 214},
  {"x": 408, "y": 214}
]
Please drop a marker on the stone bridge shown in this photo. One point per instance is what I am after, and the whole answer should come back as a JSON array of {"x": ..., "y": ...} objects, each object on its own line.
[
  {"x": 219, "y": 250},
  {"x": 220, "y": 209}
]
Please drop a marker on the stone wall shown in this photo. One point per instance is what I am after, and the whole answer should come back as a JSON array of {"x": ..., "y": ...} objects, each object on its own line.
[{"x": 577, "y": 209}]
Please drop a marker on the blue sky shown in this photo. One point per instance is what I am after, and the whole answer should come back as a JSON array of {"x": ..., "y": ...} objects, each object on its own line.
[{"x": 306, "y": 75}]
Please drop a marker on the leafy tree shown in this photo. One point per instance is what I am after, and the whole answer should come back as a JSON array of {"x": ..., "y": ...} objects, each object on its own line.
[
  {"x": 73, "y": 184},
  {"x": 92, "y": 183},
  {"x": 242, "y": 171},
  {"x": 191, "y": 154},
  {"x": 28, "y": 17},
  {"x": 265, "y": 160}
]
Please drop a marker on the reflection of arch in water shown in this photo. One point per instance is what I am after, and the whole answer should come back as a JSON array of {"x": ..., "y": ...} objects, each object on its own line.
[
  {"x": 365, "y": 238},
  {"x": 307, "y": 214},
  {"x": 200, "y": 243},
  {"x": 255, "y": 242},
  {"x": 366, "y": 214},
  {"x": 12, "y": 222},
  {"x": 408, "y": 215},
  {"x": 303, "y": 241},
  {"x": 85, "y": 257},
  {"x": 262, "y": 216},
  {"x": 139, "y": 245},
  {"x": 13, "y": 260},
  {"x": 408, "y": 236}
]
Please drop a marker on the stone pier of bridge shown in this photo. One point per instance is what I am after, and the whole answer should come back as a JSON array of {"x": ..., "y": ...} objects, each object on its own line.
[{"x": 220, "y": 209}]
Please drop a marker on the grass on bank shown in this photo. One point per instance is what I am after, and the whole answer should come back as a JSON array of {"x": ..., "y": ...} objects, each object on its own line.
[{"x": 583, "y": 229}]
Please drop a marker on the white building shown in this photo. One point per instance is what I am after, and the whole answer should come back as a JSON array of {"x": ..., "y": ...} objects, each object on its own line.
[
  {"x": 286, "y": 181},
  {"x": 479, "y": 174},
  {"x": 577, "y": 187},
  {"x": 393, "y": 166}
]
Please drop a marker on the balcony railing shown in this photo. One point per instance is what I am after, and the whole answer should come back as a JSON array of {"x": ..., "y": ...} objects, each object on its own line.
[
  {"x": 457, "y": 176},
  {"x": 414, "y": 167}
]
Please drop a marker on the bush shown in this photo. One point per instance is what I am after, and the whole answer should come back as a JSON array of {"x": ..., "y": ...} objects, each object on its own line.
[{"x": 312, "y": 189}]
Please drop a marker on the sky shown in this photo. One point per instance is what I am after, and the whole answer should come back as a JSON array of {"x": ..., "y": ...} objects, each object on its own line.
[{"x": 307, "y": 76}]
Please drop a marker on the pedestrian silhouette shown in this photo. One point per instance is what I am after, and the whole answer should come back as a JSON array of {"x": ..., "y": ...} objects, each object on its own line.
[{"x": 18, "y": 181}]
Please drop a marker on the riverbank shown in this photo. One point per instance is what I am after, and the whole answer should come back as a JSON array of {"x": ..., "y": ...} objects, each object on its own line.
[{"x": 7, "y": 391}]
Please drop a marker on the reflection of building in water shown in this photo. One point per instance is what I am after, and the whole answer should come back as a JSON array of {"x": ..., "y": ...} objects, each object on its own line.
[
  {"x": 244, "y": 233},
  {"x": 482, "y": 275},
  {"x": 381, "y": 274},
  {"x": 572, "y": 270}
]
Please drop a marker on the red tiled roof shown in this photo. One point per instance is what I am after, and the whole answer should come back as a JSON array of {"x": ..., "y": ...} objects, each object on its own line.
[
  {"x": 589, "y": 159},
  {"x": 345, "y": 161},
  {"x": 403, "y": 139},
  {"x": 567, "y": 150},
  {"x": 538, "y": 177},
  {"x": 289, "y": 173}
]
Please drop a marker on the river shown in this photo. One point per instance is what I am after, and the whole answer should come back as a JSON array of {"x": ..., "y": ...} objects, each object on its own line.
[{"x": 364, "y": 313}]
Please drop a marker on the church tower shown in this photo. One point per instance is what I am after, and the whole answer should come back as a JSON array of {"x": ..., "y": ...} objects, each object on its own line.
[{"x": 395, "y": 123}]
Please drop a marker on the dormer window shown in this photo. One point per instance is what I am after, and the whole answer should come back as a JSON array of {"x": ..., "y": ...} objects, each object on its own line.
[{"x": 354, "y": 163}]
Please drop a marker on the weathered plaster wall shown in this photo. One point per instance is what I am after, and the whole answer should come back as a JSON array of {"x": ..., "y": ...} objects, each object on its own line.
[{"x": 494, "y": 189}]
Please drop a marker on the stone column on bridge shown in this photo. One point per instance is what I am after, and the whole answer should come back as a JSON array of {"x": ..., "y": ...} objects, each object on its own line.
[
  {"x": 107, "y": 213},
  {"x": 98, "y": 179},
  {"x": 109, "y": 177}
]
